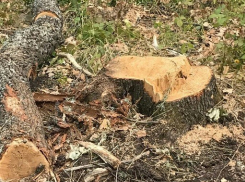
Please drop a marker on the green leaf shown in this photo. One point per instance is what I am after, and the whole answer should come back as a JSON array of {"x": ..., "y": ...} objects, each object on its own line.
[
  {"x": 188, "y": 2},
  {"x": 240, "y": 42},
  {"x": 60, "y": 61},
  {"x": 243, "y": 57},
  {"x": 221, "y": 21},
  {"x": 179, "y": 22},
  {"x": 77, "y": 19},
  {"x": 213, "y": 15},
  {"x": 182, "y": 17},
  {"x": 220, "y": 45},
  {"x": 186, "y": 47},
  {"x": 113, "y": 3}
]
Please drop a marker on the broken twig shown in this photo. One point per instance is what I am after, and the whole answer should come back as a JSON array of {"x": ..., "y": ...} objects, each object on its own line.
[
  {"x": 96, "y": 173},
  {"x": 79, "y": 167},
  {"x": 103, "y": 153},
  {"x": 137, "y": 157},
  {"x": 74, "y": 63}
]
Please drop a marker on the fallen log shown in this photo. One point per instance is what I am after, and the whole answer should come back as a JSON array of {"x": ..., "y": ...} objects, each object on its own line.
[{"x": 23, "y": 149}]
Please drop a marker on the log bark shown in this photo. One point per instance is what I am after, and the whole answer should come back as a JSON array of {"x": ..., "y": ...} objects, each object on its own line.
[{"x": 22, "y": 140}]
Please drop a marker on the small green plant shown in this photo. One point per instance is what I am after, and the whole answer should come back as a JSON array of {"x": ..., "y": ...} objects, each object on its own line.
[
  {"x": 179, "y": 21},
  {"x": 126, "y": 32},
  {"x": 186, "y": 47},
  {"x": 218, "y": 16},
  {"x": 232, "y": 48},
  {"x": 232, "y": 56},
  {"x": 168, "y": 37},
  {"x": 62, "y": 80},
  {"x": 28, "y": 2},
  {"x": 73, "y": 3},
  {"x": 94, "y": 35},
  {"x": 97, "y": 33},
  {"x": 57, "y": 61},
  {"x": 188, "y": 2}
]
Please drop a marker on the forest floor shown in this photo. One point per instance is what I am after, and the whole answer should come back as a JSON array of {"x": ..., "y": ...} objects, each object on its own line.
[{"x": 208, "y": 32}]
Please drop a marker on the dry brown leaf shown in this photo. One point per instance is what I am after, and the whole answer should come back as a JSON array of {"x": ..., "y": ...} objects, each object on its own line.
[
  {"x": 232, "y": 163},
  {"x": 63, "y": 124},
  {"x": 105, "y": 124},
  {"x": 60, "y": 145},
  {"x": 71, "y": 40},
  {"x": 122, "y": 128},
  {"x": 141, "y": 133},
  {"x": 226, "y": 69}
]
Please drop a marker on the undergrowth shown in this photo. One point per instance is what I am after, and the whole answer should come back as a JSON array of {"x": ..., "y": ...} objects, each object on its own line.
[
  {"x": 94, "y": 34},
  {"x": 184, "y": 35}
]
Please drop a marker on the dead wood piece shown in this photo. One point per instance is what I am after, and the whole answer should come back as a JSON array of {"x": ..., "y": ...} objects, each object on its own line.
[
  {"x": 103, "y": 153},
  {"x": 80, "y": 167},
  {"x": 137, "y": 157},
  {"x": 46, "y": 97},
  {"x": 75, "y": 64},
  {"x": 22, "y": 136},
  {"x": 96, "y": 174}
]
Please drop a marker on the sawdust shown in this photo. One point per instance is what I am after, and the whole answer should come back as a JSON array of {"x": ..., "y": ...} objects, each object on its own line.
[{"x": 194, "y": 140}]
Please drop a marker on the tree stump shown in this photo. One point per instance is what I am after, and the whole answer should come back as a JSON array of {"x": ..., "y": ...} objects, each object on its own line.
[
  {"x": 166, "y": 87},
  {"x": 23, "y": 148}
]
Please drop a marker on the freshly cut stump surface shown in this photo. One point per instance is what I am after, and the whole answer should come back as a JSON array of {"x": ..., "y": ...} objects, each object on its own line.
[
  {"x": 158, "y": 73},
  {"x": 167, "y": 87}
]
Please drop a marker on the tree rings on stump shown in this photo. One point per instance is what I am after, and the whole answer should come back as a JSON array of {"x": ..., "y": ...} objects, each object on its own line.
[
  {"x": 166, "y": 87},
  {"x": 21, "y": 159}
]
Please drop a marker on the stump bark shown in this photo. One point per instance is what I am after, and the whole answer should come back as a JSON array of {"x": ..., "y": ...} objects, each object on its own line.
[
  {"x": 23, "y": 149},
  {"x": 166, "y": 87}
]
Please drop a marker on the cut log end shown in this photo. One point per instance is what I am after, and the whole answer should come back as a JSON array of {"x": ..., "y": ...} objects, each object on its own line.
[
  {"x": 167, "y": 87},
  {"x": 21, "y": 159},
  {"x": 46, "y": 13}
]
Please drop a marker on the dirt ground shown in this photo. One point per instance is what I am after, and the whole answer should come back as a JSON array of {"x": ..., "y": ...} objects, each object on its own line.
[{"x": 149, "y": 150}]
